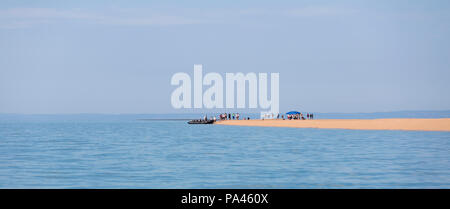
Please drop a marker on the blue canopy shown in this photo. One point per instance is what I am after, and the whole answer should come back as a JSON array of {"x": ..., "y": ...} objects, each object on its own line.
[{"x": 292, "y": 113}]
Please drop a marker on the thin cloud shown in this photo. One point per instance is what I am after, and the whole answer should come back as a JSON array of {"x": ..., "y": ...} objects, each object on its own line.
[{"x": 28, "y": 17}]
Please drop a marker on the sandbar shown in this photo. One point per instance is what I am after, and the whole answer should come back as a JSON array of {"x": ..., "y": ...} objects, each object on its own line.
[{"x": 411, "y": 124}]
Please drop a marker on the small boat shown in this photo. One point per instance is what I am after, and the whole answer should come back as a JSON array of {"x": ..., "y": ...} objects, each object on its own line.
[{"x": 201, "y": 122}]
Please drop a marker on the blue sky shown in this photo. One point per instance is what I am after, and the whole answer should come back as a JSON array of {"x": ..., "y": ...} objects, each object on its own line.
[{"x": 119, "y": 56}]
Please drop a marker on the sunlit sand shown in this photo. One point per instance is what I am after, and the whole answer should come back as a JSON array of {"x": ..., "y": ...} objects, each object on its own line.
[{"x": 440, "y": 124}]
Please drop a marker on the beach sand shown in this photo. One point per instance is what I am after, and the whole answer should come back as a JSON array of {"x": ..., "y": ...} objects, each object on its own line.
[{"x": 439, "y": 124}]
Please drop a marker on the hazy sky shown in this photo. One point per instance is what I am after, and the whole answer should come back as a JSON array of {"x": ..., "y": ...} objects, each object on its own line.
[{"x": 119, "y": 56}]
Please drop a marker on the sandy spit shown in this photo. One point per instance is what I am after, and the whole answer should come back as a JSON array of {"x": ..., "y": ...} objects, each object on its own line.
[{"x": 438, "y": 124}]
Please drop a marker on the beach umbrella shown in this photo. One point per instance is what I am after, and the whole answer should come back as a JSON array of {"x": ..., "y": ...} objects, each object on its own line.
[{"x": 292, "y": 113}]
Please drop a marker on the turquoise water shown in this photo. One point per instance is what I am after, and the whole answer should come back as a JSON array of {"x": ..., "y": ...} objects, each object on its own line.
[{"x": 172, "y": 154}]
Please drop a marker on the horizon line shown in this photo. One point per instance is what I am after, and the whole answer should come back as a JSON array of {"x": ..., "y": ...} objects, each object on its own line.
[{"x": 448, "y": 110}]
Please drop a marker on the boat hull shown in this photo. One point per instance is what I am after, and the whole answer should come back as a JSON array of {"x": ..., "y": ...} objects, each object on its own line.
[{"x": 201, "y": 122}]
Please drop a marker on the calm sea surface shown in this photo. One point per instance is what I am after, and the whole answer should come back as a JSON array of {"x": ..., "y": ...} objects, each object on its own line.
[{"x": 173, "y": 154}]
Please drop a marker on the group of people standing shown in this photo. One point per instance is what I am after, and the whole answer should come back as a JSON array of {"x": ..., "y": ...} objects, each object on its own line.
[
  {"x": 300, "y": 116},
  {"x": 231, "y": 116},
  {"x": 236, "y": 116}
]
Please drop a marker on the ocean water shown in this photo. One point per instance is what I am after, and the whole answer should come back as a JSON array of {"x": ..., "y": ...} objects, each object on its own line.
[{"x": 130, "y": 153}]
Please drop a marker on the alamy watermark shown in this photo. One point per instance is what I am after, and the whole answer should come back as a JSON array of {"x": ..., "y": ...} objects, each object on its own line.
[{"x": 213, "y": 97}]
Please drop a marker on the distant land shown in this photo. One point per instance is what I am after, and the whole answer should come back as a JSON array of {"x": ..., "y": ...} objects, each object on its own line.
[{"x": 187, "y": 116}]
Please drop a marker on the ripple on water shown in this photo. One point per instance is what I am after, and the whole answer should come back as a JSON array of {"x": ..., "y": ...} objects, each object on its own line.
[{"x": 172, "y": 154}]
